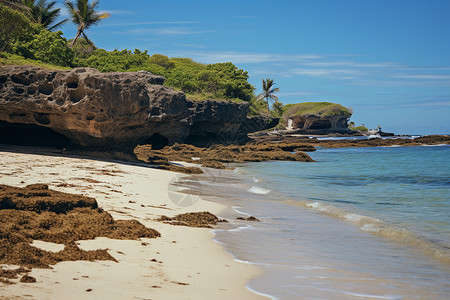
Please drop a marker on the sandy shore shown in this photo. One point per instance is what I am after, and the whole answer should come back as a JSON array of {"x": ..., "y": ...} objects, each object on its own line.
[{"x": 184, "y": 263}]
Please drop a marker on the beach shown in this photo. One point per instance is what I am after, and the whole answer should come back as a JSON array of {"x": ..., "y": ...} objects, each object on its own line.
[
  {"x": 206, "y": 164},
  {"x": 184, "y": 263}
]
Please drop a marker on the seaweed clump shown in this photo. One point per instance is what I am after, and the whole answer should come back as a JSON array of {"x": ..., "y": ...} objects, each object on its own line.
[
  {"x": 217, "y": 155},
  {"x": 195, "y": 219},
  {"x": 251, "y": 218},
  {"x": 37, "y": 213},
  {"x": 350, "y": 143},
  {"x": 7, "y": 274}
]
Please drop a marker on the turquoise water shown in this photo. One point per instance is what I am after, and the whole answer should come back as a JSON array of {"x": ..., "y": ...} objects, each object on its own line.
[{"x": 364, "y": 223}]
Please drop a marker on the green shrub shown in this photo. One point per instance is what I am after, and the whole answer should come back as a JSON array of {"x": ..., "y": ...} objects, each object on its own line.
[
  {"x": 114, "y": 61},
  {"x": 14, "y": 59},
  {"x": 360, "y": 128},
  {"x": 41, "y": 44},
  {"x": 327, "y": 109},
  {"x": 160, "y": 60},
  {"x": 198, "y": 81},
  {"x": 277, "y": 109},
  {"x": 234, "y": 79},
  {"x": 12, "y": 25},
  {"x": 82, "y": 48},
  {"x": 257, "y": 107}
]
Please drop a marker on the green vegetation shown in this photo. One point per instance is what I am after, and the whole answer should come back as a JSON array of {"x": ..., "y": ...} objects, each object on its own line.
[
  {"x": 43, "y": 45},
  {"x": 82, "y": 49},
  {"x": 15, "y": 4},
  {"x": 199, "y": 81},
  {"x": 13, "y": 24},
  {"x": 268, "y": 92},
  {"x": 277, "y": 109},
  {"x": 43, "y": 13},
  {"x": 327, "y": 109},
  {"x": 257, "y": 107},
  {"x": 84, "y": 15},
  {"x": 13, "y": 59},
  {"x": 360, "y": 128}
]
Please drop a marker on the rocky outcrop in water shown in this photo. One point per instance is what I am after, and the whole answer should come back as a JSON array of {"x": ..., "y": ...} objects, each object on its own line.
[
  {"x": 317, "y": 118},
  {"x": 85, "y": 107}
]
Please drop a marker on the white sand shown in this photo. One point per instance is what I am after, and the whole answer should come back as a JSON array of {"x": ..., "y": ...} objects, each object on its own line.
[{"x": 189, "y": 264}]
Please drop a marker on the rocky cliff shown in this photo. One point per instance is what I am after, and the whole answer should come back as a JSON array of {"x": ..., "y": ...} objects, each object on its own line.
[{"x": 85, "y": 107}]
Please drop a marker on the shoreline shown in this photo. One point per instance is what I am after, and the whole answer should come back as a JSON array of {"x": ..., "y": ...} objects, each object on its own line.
[
  {"x": 189, "y": 263},
  {"x": 262, "y": 240}
]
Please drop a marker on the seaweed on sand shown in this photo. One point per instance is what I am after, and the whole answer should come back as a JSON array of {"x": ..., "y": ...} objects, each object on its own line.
[
  {"x": 195, "y": 219},
  {"x": 37, "y": 213}
]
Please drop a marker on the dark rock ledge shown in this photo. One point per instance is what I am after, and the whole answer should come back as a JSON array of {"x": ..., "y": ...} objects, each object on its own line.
[{"x": 84, "y": 107}]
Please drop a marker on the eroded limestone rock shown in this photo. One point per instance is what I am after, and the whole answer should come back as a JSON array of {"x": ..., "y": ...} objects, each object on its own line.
[{"x": 86, "y": 107}]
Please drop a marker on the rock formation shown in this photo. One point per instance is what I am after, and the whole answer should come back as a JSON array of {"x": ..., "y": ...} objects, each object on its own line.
[
  {"x": 317, "y": 118},
  {"x": 85, "y": 107}
]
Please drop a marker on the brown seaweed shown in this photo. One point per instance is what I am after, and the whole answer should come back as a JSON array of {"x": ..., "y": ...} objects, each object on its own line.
[{"x": 37, "y": 213}]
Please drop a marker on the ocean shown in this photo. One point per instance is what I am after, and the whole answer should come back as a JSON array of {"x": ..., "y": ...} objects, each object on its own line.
[{"x": 360, "y": 223}]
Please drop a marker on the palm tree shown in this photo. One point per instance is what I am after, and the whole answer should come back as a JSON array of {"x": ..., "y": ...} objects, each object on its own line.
[
  {"x": 84, "y": 16},
  {"x": 268, "y": 92},
  {"x": 15, "y": 4},
  {"x": 43, "y": 13}
]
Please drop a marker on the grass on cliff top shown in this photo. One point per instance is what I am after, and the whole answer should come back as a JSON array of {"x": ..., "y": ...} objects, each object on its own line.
[
  {"x": 360, "y": 128},
  {"x": 326, "y": 109},
  {"x": 13, "y": 59}
]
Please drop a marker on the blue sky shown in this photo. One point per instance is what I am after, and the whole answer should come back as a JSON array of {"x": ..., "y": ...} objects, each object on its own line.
[{"x": 388, "y": 60}]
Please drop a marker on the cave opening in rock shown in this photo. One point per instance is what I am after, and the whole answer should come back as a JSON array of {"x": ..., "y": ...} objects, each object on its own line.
[
  {"x": 157, "y": 141},
  {"x": 298, "y": 123},
  {"x": 31, "y": 135},
  {"x": 321, "y": 124}
]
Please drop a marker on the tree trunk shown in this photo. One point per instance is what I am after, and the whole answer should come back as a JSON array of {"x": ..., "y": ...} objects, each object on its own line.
[
  {"x": 76, "y": 38},
  {"x": 88, "y": 40}
]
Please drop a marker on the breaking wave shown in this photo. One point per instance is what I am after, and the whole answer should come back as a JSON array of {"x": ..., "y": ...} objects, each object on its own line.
[
  {"x": 377, "y": 227},
  {"x": 259, "y": 190}
]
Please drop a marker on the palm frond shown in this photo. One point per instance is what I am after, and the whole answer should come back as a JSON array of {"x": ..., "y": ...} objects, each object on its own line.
[
  {"x": 43, "y": 12},
  {"x": 273, "y": 97},
  {"x": 260, "y": 97},
  {"x": 57, "y": 25},
  {"x": 84, "y": 15},
  {"x": 274, "y": 90},
  {"x": 15, "y": 4},
  {"x": 104, "y": 15}
]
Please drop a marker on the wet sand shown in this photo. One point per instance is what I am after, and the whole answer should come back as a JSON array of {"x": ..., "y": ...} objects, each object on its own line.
[{"x": 184, "y": 263}]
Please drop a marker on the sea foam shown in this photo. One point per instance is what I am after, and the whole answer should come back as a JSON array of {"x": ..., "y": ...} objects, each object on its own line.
[{"x": 259, "y": 190}]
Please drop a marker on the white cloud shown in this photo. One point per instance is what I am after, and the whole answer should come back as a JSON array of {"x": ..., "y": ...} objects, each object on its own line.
[
  {"x": 350, "y": 64},
  {"x": 423, "y": 76},
  {"x": 286, "y": 94},
  {"x": 349, "y": 68},
  {"x": 433, "y": 103},
  {"x": 326, "y": 72},
  {"x": 241, "y": 58},
  {"x": 244, "y": 17},
  {"x": 167, "y": 31},
  {"x": 198, "y": 46},
  {"x": 118, "y": 12},
  {"x": 121, "y": 24}
]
